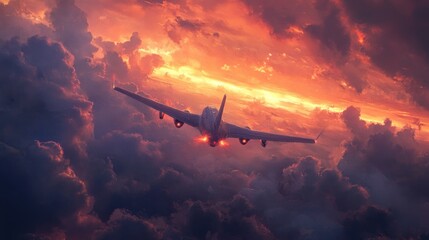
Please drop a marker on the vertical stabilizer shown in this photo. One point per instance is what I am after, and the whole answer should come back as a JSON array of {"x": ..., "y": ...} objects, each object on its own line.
[{"x": 219, "y": 114}]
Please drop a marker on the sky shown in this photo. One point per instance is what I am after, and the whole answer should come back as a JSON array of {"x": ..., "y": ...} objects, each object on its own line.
[{"x": 81, "y": 161}]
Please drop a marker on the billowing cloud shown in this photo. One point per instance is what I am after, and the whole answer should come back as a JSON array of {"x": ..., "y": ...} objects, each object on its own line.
[
  {"x": 392, "y": 167},
  {"x": 396, "y": 34},
  {"x": 71, "y": 26},
  {"x": 123, "y": 224},
  {"x": 41, "y": 99},
  {"x": 40, "y": 190}
]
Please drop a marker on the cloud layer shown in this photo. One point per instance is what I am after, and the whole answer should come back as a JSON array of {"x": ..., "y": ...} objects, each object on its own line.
[{"x": 79, "y": 161}]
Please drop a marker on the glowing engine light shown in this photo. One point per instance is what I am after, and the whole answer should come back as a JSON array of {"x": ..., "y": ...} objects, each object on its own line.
[
  {"x": 223, "y": 143},
  {"x": 243, "y": 141},
  {"x": 178, "y": 123},
  {"x": 203, "y": 139}
]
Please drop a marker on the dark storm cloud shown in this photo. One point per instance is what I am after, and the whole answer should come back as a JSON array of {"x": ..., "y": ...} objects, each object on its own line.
[
  {"x": 370, "y": 222},
  {"x": 306, "y": 180},
  {"x": 45, "y": 123},
  {"x": 397, "y": 34},
  {"x": 389, "y": 164},
  {"x": 124, "y": 225},
  {"x": 39, "y": 190},
  {"x": 279, "y": 15},
  {"x": 224, "y": 220},
  {"x": 40, "y": 96},
  {"x": 323, "y": 23},
  {"x": 331, "y": 32},
  {"x": 71, "y": 27},
  {"x": 321, "y": 19}
]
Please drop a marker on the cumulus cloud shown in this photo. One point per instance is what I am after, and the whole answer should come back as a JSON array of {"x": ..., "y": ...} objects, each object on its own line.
[
  {"x": 123, "y": 224},
  {"x": 40, "y": 97},
  {"x": 393, "y": 169},
  {"x": 71, "y": 28},
  {"x": 40, "y": 191}
]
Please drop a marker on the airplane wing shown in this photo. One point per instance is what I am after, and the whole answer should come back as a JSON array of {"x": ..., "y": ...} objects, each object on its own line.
[
  {"x": 233, "y": 131},
  {"x": 185, "y": 117}
]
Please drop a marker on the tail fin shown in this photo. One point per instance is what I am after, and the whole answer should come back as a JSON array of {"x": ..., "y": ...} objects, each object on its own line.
[{"x": 219, "y": 114}]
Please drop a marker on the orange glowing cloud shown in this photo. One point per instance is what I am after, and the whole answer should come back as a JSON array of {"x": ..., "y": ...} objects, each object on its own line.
[{"x": 229, "y": 49}]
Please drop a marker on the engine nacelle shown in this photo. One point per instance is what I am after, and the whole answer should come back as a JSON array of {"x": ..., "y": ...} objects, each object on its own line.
[
  {"x": 243, "y": 141},
  {"x": 213, "y": 143},
  {"x": 161, "y": 115},
  {"x": 178, "y": 123},
  {"x": 263, "y": 143}
]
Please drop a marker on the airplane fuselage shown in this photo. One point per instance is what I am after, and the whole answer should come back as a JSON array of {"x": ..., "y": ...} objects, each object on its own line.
[{"x": 207, "y": 126}]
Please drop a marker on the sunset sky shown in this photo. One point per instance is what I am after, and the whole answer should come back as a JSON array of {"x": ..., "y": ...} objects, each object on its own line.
[{"x": 358, "y": 69}]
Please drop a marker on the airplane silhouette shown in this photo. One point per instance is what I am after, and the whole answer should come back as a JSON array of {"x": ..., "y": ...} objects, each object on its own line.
[{"x": 211, "y": 126}]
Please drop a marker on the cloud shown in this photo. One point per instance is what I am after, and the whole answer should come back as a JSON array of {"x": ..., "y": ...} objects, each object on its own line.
[
  {"x": 279, "y": 15},
  {"x": 40, "y": 191},
  {"x": 123, "y": 224},
  {"x": 331, "y": 32},
  {"x": 80, "y": 161},
  {"x": 71, "y": 28},
  {"x": 395, "y": 41},
  {"x": 132, "y": 44},
  {"x": 390, "y": 165},
  {"x": 191, "y": 25},
  {"x": 370, "y": 222},
  {"x": 40, "y": 96},
  {"x": 16, "y": 26}
]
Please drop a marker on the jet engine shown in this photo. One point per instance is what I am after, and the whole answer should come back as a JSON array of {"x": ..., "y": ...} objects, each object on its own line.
[
  {"x": 244, "y": 141},
  {"x": 178, "y": 123},
  {"x": 263, "y": 143}
]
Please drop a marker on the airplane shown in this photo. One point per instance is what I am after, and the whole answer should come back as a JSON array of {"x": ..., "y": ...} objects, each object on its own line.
[{"x": 211, "y": 126}]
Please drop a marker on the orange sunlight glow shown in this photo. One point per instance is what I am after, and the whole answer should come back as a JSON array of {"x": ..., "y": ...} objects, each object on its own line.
[
  {"x": 296, "y": 30},
  {"x": 360, "y": 36},
  {"x": 203, "y": 83},
  {"x": 279, "y": 98},
  {"x": 232, "y": 52}
]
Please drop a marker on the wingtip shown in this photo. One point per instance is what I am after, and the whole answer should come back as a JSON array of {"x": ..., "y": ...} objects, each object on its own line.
[{"x": 113, "y": 82}]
